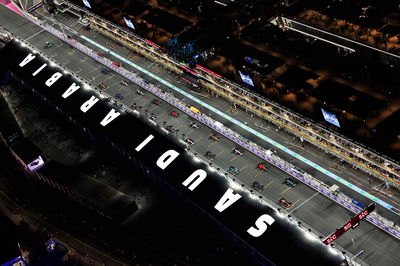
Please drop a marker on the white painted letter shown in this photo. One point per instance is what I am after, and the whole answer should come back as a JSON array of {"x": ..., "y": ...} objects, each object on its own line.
[
  {"x": 88, "y": 104},
  {"x": 27, "y": 59},
  {"x": 39, "y": 69},
  {"x": 144, "y": 143},
  {"x": 261, "y": 227},
  {"x": 109, "y": 117},
  {"x": 167, "y": 158},
  {"x": 227, "y": 200},
  {"x": 53, "y": 79},
  {"x": 73, "y": 88},
  {"x": 199, "y": 175}
]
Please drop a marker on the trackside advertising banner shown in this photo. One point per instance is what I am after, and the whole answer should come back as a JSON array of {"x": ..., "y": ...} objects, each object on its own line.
[{"x": 276, "y": 239}]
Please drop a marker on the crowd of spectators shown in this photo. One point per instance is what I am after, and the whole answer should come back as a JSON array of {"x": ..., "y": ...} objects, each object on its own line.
[{"x": 374, "y": 164}]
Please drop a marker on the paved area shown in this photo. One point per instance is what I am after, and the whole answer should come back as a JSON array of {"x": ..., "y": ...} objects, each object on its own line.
[
  {"x": 56, "y": 140},
  {"x": 62, "y": 143}
]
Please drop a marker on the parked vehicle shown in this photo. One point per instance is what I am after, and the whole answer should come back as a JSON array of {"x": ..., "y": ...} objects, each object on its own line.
[
  {"x": 119, "y": 96},
  {"x": 102, "y": 85},
  {"x": 210, "y": 155},
  {"x": 174, "y": 114},
  {"x": 233, "y": 170},
  {"x": 213, "y": 137},
  {"x": 194, "y": 125},
  {"x": 136, "y": 107},
  {"x": 289, "y": 182},
  {"x": 189, "y": 141},
  {"x": 48, "y": 45},
  {"x": 237, "y": 151},
  {"x": 125, "y": 83},
  {"x": 262, "y": 167},
  {"x": 286, "y": 204},
  {"x": 257, "y": 186},
  {"x": 152, "y": 116},
  {"x": 170, "y": 129}
]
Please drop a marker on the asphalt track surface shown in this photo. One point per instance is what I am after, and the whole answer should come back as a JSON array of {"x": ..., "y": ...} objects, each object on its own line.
[
  {"x": 314, "y": 209},
  {"x": 358, "y": 178}
]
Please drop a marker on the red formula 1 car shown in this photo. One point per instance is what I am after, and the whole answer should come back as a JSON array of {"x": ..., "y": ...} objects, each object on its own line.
[
  {"x": 262, "y": 167},
  {"x": 174, "y": 114}
]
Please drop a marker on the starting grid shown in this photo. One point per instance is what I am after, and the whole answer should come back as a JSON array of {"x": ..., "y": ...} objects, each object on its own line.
[
  {"x": 247, "y": 128},
  {"x": 378, "y": 221}
]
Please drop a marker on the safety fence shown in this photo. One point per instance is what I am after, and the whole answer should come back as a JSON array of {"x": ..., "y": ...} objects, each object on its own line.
[{"x": 355, "y": 153}]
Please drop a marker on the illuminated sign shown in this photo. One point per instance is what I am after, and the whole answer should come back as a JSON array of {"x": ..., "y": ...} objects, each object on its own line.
[
  {"x": 18, "y": 261},
  {"x": 330, "y": 118},
  {"x": 246, "y": 79},
  {"x": 353, "y": 223},
  {"x": 36, "y": 164},
  {"x": 129, "y": 23},
  {"x": 86, "y": 3}
]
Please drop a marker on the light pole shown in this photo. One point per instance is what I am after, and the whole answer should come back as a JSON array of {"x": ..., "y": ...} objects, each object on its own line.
[{"x": 358, "y": 254}]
